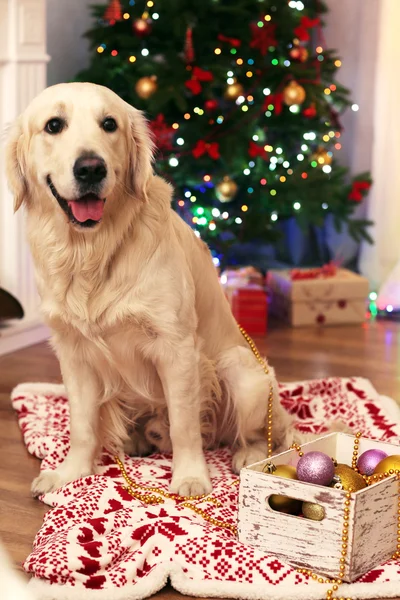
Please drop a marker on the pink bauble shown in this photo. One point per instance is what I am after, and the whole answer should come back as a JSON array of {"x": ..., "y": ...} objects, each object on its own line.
[
  {"x": 369, "y": 459},
  {"x": 316, "y": 467}
]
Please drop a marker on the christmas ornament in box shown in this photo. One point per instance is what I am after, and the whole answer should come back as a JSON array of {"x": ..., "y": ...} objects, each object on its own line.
[
  {"x": 341, "y": 532},
  {"x": 244, "y": 290},
  {"x": 321, "y": 296}
]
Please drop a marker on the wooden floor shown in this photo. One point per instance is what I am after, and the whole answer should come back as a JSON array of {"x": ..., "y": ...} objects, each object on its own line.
[{"x": 370, "y": 351}]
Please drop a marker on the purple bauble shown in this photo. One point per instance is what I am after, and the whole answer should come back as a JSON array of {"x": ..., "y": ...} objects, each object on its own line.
[
  {"x": 316, "y": 467},
  {"x": 368, "y": 460}
]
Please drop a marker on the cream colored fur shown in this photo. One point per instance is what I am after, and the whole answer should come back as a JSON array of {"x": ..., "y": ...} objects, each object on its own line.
[{"x": 149, "y": 351}]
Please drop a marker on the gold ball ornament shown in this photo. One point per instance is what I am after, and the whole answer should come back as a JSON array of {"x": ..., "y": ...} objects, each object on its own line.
[
  {"x": 390, "y": 463},
  {"x": 350, "y": 478},
  {"x": 283, "y": 503},
  {"x": 226, "y": 189},
  {"x": 294, "y": 93},
  {"x": 146, "y": 86},
  {"x": 313, "y": 511},
  {"x": 233, "y": 91},
  {"x": 322, "y": 157},
  {"x": 299, "y": 53}
]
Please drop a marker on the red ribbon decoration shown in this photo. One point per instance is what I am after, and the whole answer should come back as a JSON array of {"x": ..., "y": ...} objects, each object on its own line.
[
  {"x": 328, "y": 270},
  {"x": 301, "y": 32},
  {"x": 276, "y": 100},
  {"x": 232, "y": 41},
  {"x": 256, "y": 150},
  {"x": 263, "y": 37},
  {"x": 357, "y": 189},
  {"x": 198, "y": 75},
  {"x": 203, "y": 147}
]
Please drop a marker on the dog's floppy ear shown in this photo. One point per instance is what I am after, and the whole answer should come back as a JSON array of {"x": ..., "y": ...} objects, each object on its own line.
[
  {"x": 15, "y": 163},
  {"x": 141, "y": 149}
]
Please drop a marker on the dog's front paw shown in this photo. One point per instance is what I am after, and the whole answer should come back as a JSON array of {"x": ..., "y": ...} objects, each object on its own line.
[
  {"x": 249, "y": 455},
  {"x": 191, "y": 486},
  {"x": 48, "y": 481}
]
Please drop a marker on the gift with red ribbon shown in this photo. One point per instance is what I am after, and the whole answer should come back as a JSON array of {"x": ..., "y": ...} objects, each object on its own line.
[
  {"x": 326, "y": 295},
  {"x": 327, "y": 270},
  {"x": 245, "y": 292},
  {"x": 202, "y": 147}
]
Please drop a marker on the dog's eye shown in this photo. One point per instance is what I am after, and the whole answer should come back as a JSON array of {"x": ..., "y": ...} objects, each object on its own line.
[
  {"x": 54, "y": 126},
  {"x": 109, "y": 124}
]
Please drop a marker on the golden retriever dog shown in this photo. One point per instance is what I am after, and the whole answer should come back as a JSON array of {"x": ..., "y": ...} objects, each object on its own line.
[
  {"x": 13, "y": 584},
  {"x": 150, "y": 353}
]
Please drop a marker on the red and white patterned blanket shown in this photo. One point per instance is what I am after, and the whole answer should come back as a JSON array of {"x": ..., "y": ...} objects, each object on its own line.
[{"x": 100, "y": 543}]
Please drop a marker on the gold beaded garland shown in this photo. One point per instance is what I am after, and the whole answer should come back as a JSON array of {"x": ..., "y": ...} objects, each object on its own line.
[
  {"x": 151, "y": 498},
  {"x": 264, "y": 365}
]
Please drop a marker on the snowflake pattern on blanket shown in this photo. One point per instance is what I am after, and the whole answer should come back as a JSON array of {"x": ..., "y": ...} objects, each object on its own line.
[{"x": 97, "y": 537}]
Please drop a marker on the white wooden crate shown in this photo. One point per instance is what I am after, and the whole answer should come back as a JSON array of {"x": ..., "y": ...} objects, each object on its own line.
[{"x": 317, "y": 545}]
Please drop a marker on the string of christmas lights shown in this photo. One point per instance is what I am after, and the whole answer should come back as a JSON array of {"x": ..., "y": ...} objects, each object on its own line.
[{"x": 221, "y": 107}]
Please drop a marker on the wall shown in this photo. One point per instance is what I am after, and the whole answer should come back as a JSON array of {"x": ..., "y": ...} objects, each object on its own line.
[
  {"x": 67, "y": 20},
  {"x": 352, "y": 29}
]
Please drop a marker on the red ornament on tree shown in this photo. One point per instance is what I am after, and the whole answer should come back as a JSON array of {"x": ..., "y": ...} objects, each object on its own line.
[
  {"x": 162, "y": 133},
  {"x": 210, "y": 105},
  {"x": 263, "y": 37},
  {"x": 113, "y": 12},
  {"x": 299, "y": 53},
  {"x": 141, "y": 27},
  {"x": 310, "y": 112},
  {"x": 189, "y": 50}
]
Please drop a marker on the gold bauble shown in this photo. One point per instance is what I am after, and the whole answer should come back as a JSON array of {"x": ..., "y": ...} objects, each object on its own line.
[
  {"x": 299, "y": 53},
  {"x": 349, "y": 478},
  {"x": 283, "y": 503},
  {"x": 322, "y": 157},
  {"x": 226, "y": 189},
  {"x": 313, "y": 511},
  {"x": 233, "y": 91},
  {"x": 146, "y": 86},
  {"x": 294, "y": 93},
  {"x": 390, "y": 463}
]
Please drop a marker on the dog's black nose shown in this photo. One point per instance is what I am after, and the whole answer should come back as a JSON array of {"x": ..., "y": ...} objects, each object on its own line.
[{"x": 90, "y": 169}]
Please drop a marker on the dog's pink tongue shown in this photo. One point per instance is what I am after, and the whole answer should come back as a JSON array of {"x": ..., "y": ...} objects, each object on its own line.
[{"x": 87, "y": 208}]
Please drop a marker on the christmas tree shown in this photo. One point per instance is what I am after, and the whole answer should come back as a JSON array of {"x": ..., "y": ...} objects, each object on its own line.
[{"x": 243, "y": 107}]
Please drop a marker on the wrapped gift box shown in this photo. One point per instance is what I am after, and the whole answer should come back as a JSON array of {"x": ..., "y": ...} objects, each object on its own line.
[
  {"x": 249, "y": 307},
  {"x": 318, "y": 297},
  {"x": 317, "y": 545}
]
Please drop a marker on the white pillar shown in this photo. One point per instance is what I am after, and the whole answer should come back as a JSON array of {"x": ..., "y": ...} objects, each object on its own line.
[{"x": 23, "y": 63}]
